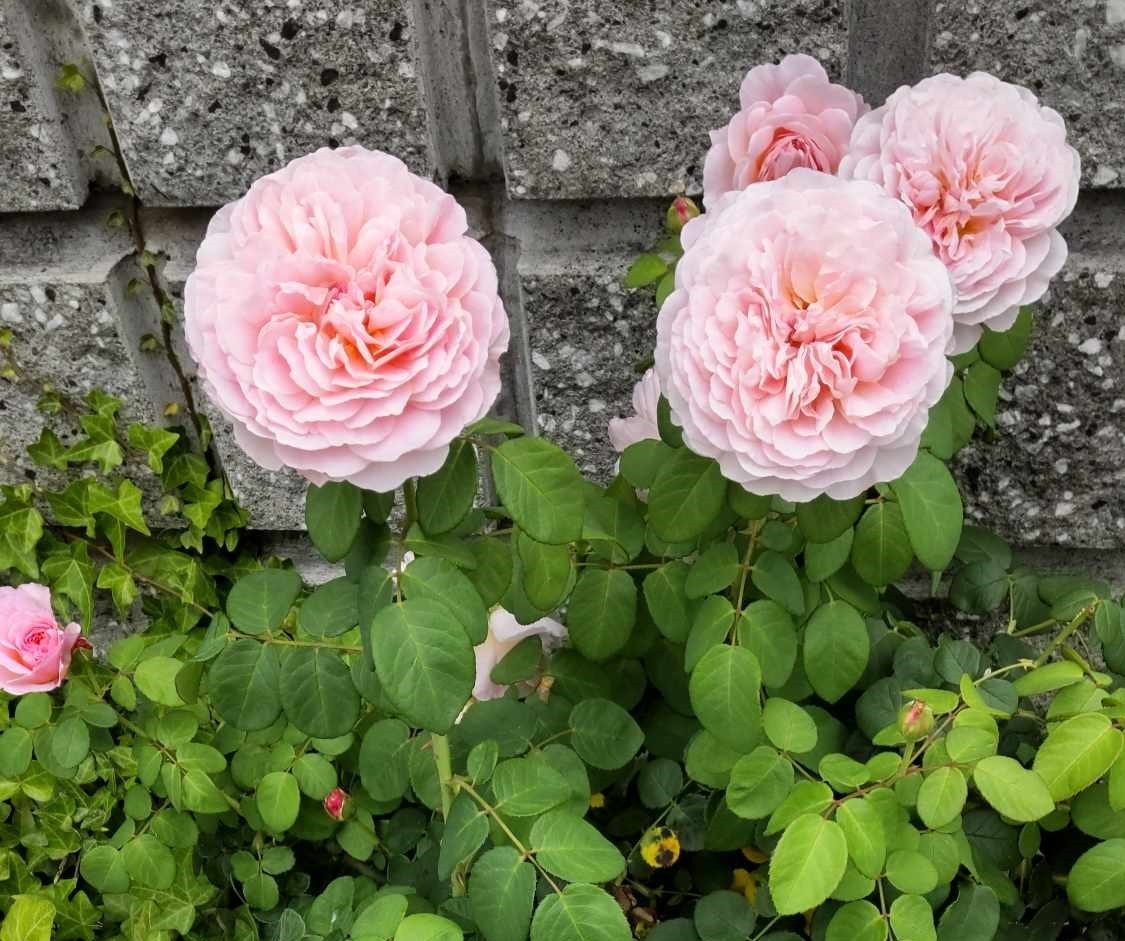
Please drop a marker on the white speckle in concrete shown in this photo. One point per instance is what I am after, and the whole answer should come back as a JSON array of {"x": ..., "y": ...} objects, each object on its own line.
[
  {"x": 1117, "y": 55},
  {"x": 652, "y": 73},
  {"x": 1114, "y": 12},
  {"x": 541, "y": 361},
  {"x": 10, "y": 313},
  {"x": 1090, "y": 347},
  {"x": 561, "y": 161},
  {"x": 169, "y": 138},
  {"x": 1061, "y": 466},
  {"x": 349, "y": 120},
  {"x": 1104, "y": 279},
  {"x": 220, "y": 70}
]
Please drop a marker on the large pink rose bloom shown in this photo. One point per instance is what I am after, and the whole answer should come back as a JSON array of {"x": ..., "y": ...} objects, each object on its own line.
[
  {"x": 987, "y": 172},
  {"x": 344, "y": 321},
  {"x": 805, "y": 340},
  {"x": 34, "y": 652},
  {"x": 791, "y": 116},
  {"x": 641, "y": 425}
]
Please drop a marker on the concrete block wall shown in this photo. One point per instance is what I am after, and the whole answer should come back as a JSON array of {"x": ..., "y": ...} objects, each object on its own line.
[{"x": 564, "y": 126}]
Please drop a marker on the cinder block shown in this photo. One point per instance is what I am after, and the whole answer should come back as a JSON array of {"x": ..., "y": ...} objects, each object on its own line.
[
  {"x": 615, "y": 99},
  {"x": 208, "y": 97},
  {"x": 1071, "y": 53}
]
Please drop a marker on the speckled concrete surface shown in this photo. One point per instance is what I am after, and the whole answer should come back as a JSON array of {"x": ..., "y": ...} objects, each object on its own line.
[
  {"x": 1069, "y": 52},
  {"x": 208, "y": 97},
  {"x": 616, "y": 99}
]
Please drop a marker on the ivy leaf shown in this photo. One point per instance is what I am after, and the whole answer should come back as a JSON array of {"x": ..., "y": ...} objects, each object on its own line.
[
  {"x": 21, "y": 528},
  {"x": 72, "y": 574},
  {"x": 30, "y": 918},
  {"x": 124, "y": 506},
  {"x": 49, "y": 451},
  {"x": 155, "y": 442}
]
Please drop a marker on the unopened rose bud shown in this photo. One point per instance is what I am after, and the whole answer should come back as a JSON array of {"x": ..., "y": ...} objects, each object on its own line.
[
  {"x": 336, "y": 803},
  {"x": 916, "y": 720},
  {"x": 680, "y": 213}
]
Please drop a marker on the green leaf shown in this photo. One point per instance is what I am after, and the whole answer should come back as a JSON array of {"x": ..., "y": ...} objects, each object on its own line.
[
  {"x": 982, "y": 388},
  {"x": 807, "y": 864},
  {"x": 378, "y": 920},
  {"x": 1076, "y": 753},
  {"x": 70, "y": 742},
  {"x": 975, "y": 916},
  {"x": 825, "y": 559},
  {"x": 1003, "y": 350},
  {"x": 857, "y": 921},
  {"x": 862, "y": 826},
  {"x": 1096, "y": 882},
  {"x": 570, "y": 848},
  {"x": 119, "y": 580},
  {"x": 666, "y": 425},
  {"x": 48, "y": 451},
  {"x": 912, "y": 917},
  {"x": 979, "y": 587},
  {"x": 439, "y": 581},
  {"x": 941, "y": 797},
  {"x": 788, "y": 726},
  {"x": 278, "y": 800},
  {"x": 881, "y": 551},
  {"x": 659, "y": 782},
  {"x": 642, "y": 461},
  {"x": 15, "y": 751},
  {"x": 542, "y": 489},
  {"x": 149, "y": 862},
  {"x": 243, "y": 685},
  {"x": 724, "y": 689},
  {"x": 836, "y": 651},
  {"x": 21, "y": 528},
  {"x": 773, "y": 575},
  {"x": 317, "y": 692},
  {"x": 723, "y": 916},
  {"x": 502, "y": 894},
  {"x": 715, "y": 569},
  {"x": 258, "y": 602},
  {"x": 645, "y": 270},
  {"x": 825, "y": 519},
  {"x": 525, "y": 787},
  {"x": 332, "y": 515},
  {"x": 713, "y": 621},
  {"x": 686, "y": 496},
  {"x": 103, "y": 867},
  {"x": 520, "y": 663},
  {"x": 666, "y": 598},
  {"x": 125, "y": 505},
  {"x": 932, "y": 511},
  {"x": 330, "y": 610},
  {"x": 156, "y": 678},
  {"x": 911, "y": 872},
  {"x": 1049, "y": 677},
  {"x": 767, "y": 630},
  {"x": 424, "y": 661},
  {"x": 30, "y": 918},
  {"x": 1014, "y": 791},
  {"x": 759, "y": 783},
  {"x": 602, "y": 612},
  {"x": 445, "y": 498},
  {"x": 383, "y": 760},
  {"x": 605, "y": 735},
  {"x": 614, "y": 529},
  {"x": 579, "y": 913},
  {"x": 547, "y": 572},
  {"x": 426, "y": 927},
  {"x": 465, "y": 831}
]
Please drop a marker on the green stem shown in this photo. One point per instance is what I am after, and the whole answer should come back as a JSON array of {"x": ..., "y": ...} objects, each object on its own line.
[
  {"x": 1072, "y": 625},
  {"x": 444, "y": 765}
]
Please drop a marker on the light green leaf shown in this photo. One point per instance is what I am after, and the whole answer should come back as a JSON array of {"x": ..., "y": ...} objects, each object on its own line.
[
  {"x": 857, "y": 921},
  {"x": 427, "y": 927},
  {"x": 1096, "y": 882},
  {"x": 103, "y": 867},
  {"x": 30, "y": 918},
  {"x": 788, "y": 726},
  {"x": 149, "y": 862},
  {"x": 807, "y": 864},
  {"x": 579, "y": 913},
  {"x": 724, "y": 689},
  {"x": 502, "y": 894},
  {"x": 911, "y": 872},
  {"x": 941, "y": 797},
  {"x": 1014, "y": 791},
  {"x": 1049, "y": 677},
  {"x": 862, "y": 825},
  {"x": 278, "y": 800},
  {"x": 759, "y": 783},
  {"x": 645, "y": 270},
  {"x": 767, "y": 630},
  {"x": 156, "y": 678},
  {"x": 1076, "y": 753},
  {"x": 913, "y": 919}
]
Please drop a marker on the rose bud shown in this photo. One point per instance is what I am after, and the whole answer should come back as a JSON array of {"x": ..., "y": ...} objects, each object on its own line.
[
  {"x": 682, "y": 211},
  {"x": 916, "y": 720},
  {"x": 336, "y": 804}
]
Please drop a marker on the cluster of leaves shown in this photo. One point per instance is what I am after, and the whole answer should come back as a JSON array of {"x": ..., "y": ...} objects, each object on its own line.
[{"x": 719, "y": 753}]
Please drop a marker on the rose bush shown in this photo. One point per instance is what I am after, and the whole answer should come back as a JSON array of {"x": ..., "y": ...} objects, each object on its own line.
[{"x": 678, "y": 705}]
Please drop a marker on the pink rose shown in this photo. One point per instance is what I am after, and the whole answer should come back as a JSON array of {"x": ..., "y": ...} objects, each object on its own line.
[
  {"x": 791, "y": 116},
  {"x": 335, "y": 804},
  {"x": 641, "y": 425},
  {"x": 805, "y": 340},
  {"x": 34, "y": 651},
  {"x": 344, "y": 322},
  {"x": 987, "y": 172},
  {"x": 504, "y": 632}
]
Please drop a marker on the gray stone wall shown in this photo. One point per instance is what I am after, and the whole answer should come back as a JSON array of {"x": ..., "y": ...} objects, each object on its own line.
[{"x": 564, "y": 126}]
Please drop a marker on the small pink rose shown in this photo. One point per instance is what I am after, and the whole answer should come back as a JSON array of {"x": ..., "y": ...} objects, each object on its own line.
[
  {"x": 34, "y": 651},
  {"x": 504, "y": 632},
  {"x": 641, "y": 425},
  {"x": 988, "y": 174},
  {"x": 791, "y": 116},
  {"x": 344, "y": 321},
  {"x": 335, "y": 804}
]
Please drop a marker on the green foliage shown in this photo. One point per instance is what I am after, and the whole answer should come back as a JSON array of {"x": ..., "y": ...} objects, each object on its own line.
[{"x": 715, "y": 753}]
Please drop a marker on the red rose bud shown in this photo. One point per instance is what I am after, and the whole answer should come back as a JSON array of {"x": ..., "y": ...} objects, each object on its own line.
[
  {"x": 916, "y": 720},
  {"x": 83, "y": 644},
  {"x": 336, "y": 803},
  {"x": 680, "y": 213}
]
